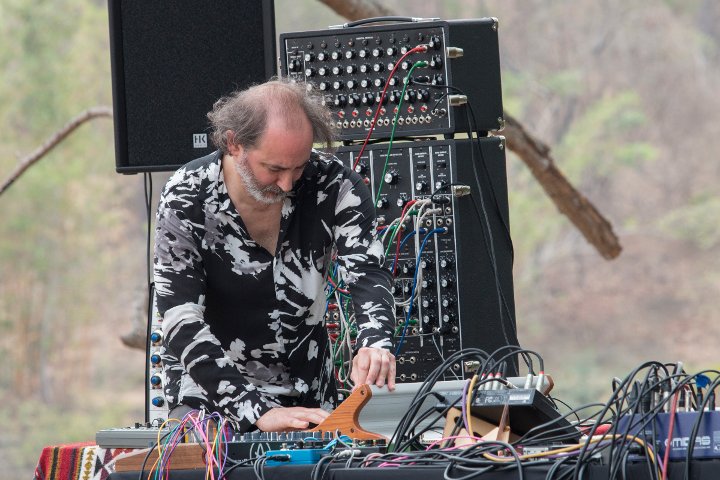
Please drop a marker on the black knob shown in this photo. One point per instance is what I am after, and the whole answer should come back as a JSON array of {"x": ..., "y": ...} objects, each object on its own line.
[
  {"x": 423, "y": 95},
  {"x": 402, "y": 200},
  {"x": 336, "y": 55},
  {"x": 323, "y": 71},
  {"x": 340, "y": 100},
  {"x": 350, "y": 69},
  {"x": 365, "y": 83},
  {"x": 379, "y": 82},
  {"x": 350, "y": 54},
  {"x": 421, "y": 186},
  {"x": 405, "y": 65},
  {"x": 391, "y": 177},
  {"x": 428, "y": 302},
  {"x": 309, "y": 57},
  {"x": 410, "y": 96},
  {"x": 408, "y": 267},
  {"x": 445, "y": 262},
  {"x": 448, "y": 302},
  {"x": 365, "y": 68},
  {"x": 391, "y": 51},
  {"x": 446, "y": 282},
  {"x": 361, "y": 167},
  {"x": 378, "y": 67},
  {"x": 309, "y": 72},
  {"x": 382, "y": 203},
  {"x": 434, "y": 42},
  {"x": 322, "y": 56},
  {"x": 353, "y": 98},
  {"x": 323, "y": 86},
  {"x": 436, "y": 61},
  {"x": 338, "y": 85},
  {"x": 395, "y": 96},
  {"x": 377, "y": 52},
  {"x": 351, "y": 84},
  {"x": 336, "y": 70},
  {"x": 368, "y": 99},
  {"x": 428, "y": 282},
  {"x": 363, "y": 53}
]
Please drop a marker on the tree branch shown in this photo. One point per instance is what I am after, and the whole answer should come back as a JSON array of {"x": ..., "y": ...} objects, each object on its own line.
[
  {"x": 53, "y": 141},
  {"x": 358, "y": 9},
  {"x": 583, "y": 214},
  {"x": 536, "y": 155}
]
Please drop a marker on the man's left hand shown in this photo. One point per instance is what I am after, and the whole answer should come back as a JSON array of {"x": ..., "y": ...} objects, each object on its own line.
[{"x": 374, "y": 365}]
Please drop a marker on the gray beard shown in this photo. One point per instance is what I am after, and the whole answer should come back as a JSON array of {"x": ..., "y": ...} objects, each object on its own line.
[{"x": 267, "y": 195}]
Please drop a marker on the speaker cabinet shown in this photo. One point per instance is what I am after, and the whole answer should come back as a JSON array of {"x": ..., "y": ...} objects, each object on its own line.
[{"x": 170, "y": 62}]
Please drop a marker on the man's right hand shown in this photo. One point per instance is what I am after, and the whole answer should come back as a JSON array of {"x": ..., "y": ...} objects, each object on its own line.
[{"x": 284, "y": 419}]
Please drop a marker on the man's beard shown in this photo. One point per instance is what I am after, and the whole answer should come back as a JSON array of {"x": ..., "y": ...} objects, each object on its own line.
[{"x": 267, "y": 195}]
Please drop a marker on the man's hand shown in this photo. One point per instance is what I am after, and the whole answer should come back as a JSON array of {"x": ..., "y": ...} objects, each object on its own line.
[
  {"x": 285, "y": 419},
  {"x": 374, "y": 365}
]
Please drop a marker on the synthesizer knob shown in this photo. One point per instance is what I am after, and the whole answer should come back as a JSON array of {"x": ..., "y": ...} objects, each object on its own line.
[
  {"x": 396, "y": 288},
  {"x": 423, "y": 95},
  {"x": 424, "y": 263},
  {"x": 405, "y": 65},
  {"x": 402, "y": 200},
  {"x": 337, "y": 85},
  {"x": 393, "y": 81},
  {"x": 351, "y": 84},
  {"x": 408, "y": 267},
  {"x": 336, "y": 70},
  {"x": 407, "y": 288},
  {"x": 382, "y": 204},
  {"x": 353, "y": 98},
  {"x": 448, "y": 302},
  {"x": 404, "y": 49},
  {"x": 391, "y": 177},
  {"x": 379, "y": 82},
  {"x": 428, "y": 302},
  {"x": 378, "y": 67},
  {"x": 410, "y": 96},
  {"x": 156, "y": 337},
  {"x": 365, "y": 83},
  {"x": 428, "y": 282},
  {"x": 323, "y": 86},
  {"x": 395, "y": 96},
  {"x": 340, "y": 100},
  {"x": 158, "y": 401},
  {"x": 309, "y": 72},
  {"x": 155, "y": 359},
  {"x": 323, "y": 71},
  {"x": 350, "y": 54},
  {"x": 361, "y": 167},
  {"x": 322, "y": 56},
  {"x": 336, "y": 55},
  {"x": 363, "y": 53},
  {"x": 421, "y": 186},
  {"x": 368, "y": 99},
  {"x": 436, "y": 61},
  {"x": 365, "y": 68},
  {"x": 350, "y": 69},
  {"x": 377, "y": 52},
  {"x": 448, "y": 317},
  {"x": 155, "y": 381},
  {"x": 438, "y": 79},
  {"x": 309, "y": 57},
  {"x": 391, "y": 51},
  {"x": 434, "y": 42},
  {"x": 445, "y": 263},
  {"x": 446, "y": 282}
]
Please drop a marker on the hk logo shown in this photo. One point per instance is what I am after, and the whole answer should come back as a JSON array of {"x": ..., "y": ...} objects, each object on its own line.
[{"x": 200, "y": 140}]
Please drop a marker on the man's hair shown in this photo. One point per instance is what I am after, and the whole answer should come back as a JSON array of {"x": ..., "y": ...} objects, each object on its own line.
[{"x": 246, "y": 113}]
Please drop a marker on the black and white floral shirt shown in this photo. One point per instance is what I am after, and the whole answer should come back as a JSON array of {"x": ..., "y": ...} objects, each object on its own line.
[{"x": 243, "y": 329}]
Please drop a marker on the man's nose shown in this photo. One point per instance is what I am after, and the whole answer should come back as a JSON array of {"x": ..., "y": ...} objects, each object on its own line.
[{"x": 285, "y": 181}]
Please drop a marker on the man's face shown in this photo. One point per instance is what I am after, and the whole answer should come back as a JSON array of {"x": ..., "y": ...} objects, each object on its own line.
[{"x": 269, "y": 171}]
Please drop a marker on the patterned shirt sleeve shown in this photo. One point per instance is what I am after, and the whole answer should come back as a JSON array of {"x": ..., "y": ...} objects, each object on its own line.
[
  {"x": 180, "y": 290},
  {"x": 360, "y": 258}
]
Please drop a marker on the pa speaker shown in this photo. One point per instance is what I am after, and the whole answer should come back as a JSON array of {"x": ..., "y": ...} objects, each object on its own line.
[{"x": 170, "y": 62}]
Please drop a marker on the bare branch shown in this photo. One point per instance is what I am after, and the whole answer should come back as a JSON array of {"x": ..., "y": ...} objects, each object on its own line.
[
  {"x": 358, "y": 9},
  {"x": 583, "y": 214},
  {"x": 53, "y": 141}
]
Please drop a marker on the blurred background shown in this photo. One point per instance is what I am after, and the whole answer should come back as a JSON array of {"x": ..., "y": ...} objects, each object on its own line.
[{"x": 625, "y": 92}]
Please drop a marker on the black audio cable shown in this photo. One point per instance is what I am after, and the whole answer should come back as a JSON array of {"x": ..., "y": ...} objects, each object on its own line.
[{"x": 147, "y": 183}]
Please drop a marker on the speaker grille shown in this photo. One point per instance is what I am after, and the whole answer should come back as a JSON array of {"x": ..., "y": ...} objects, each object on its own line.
[{"x": 171, "y": 61}]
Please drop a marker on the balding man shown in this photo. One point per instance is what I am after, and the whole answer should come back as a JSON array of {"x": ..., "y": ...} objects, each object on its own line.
[{"x": 244, "y": 237}]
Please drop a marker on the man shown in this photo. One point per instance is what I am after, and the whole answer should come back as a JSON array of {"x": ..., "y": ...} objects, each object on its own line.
[{"x": 244, "y": 238}]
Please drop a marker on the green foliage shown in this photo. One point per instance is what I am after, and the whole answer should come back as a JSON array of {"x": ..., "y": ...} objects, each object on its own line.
[
  {"x": 603, "y": 139},
  {"x": 565, "y": 83},
  {"x": 696, "y": 222}
]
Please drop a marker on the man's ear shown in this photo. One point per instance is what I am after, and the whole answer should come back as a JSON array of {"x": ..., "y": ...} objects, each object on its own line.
[{"x": 235, "y": 150}]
